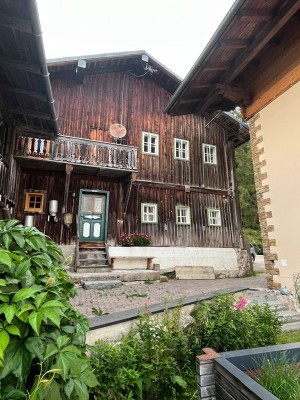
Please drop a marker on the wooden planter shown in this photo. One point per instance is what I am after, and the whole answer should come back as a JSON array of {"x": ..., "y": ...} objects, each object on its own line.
[{"x": 222, "y": 376}]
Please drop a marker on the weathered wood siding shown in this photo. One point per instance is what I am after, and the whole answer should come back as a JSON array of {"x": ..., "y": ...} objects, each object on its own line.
[
  {"x": 88, "y": 110},
  {"x": 165, "y": 232},
  {"x": 9, "y": 170}
]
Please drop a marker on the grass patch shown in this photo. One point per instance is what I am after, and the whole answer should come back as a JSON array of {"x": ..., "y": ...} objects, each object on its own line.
[
  {"x": 288, "y": 337},
  {"x": 280, "y": 378},
  {"x": 136, "y": 295}
]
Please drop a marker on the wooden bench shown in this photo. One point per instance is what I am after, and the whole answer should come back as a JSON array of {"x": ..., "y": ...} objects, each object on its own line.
[{"x": 148, "y": 260}]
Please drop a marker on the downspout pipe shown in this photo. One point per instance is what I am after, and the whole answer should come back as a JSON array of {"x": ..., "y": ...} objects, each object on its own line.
[
  {"x": 205, "y": 53},
  {"x": 37, "y": 32}
]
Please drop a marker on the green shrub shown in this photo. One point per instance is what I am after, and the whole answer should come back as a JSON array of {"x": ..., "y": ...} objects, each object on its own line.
[
  {"x": 136, "y": 239},
  {"x": 40, "y": 332},
  {"x": 151, "y": 363},
  {"x": 219, "y": 325}
]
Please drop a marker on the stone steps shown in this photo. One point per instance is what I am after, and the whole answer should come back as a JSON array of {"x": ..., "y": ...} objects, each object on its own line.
[
  {"x": 93, "y": 260},
  {"x": 289, "y": 318},
  {"x": 121, "y": 275}
]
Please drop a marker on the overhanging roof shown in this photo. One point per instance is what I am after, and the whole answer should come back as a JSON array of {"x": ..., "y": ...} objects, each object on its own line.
[
  {"x": 130, "y": 61},
  {"x": 24, "y": 79},
  {"x": 215, "y": 82}
]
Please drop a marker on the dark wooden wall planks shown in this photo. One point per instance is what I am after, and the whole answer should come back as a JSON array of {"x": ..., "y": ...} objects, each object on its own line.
[{"x": 87, "y": 110}]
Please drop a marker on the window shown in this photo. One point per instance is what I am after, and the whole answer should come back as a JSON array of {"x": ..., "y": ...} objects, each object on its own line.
[
  {"x": 209, "y": 154},
  {"x": 34, "y": 202},
  {"x": 214, "y": 217},
  {"x": 149, "y": 213},
  {"x": 150, "y": 143},
  {"x": 183, "y": 215},
  {"x": 182, "y": 149}
]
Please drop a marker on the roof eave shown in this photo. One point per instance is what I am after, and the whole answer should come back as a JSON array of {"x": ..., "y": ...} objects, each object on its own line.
[{"x": 205, "y": 53}]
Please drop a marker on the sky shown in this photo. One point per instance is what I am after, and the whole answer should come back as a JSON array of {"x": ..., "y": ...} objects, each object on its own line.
[{"x": 173, "y": 31}]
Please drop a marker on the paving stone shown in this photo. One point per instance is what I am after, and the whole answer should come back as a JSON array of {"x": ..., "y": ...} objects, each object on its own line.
[{"x": 101, "y": 284}]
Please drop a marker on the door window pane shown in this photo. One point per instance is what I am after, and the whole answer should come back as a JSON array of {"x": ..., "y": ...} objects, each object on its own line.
[
  {"x": 87, "y": 205},
  {"x": 98, "y": 206},
  {"x": 86, "y": 229},
  {"x": 97, "y": 230}
]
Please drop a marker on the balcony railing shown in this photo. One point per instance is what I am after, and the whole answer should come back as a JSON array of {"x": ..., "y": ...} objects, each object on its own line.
[{"x": 79, "y": 151}]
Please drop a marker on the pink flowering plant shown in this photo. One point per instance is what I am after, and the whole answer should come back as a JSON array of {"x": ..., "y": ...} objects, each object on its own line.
[
  {"x": 136, "y": 239},
  {"x": 240, "y": 305}
]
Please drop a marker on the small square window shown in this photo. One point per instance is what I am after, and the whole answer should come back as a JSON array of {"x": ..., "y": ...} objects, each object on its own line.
[
  {"x": 34, "y": 202},
  {"x": 183, "y": 215},
  {"x": 181, "y": 149},
  {"x": 149, "y": 213},
  {"x": 150, "y": 143},
  {"x": 214, "y": 217},
  {"x": 209, "y": 154}
]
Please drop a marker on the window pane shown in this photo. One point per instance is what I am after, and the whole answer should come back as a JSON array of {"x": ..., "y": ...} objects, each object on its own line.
[
  {"x": 96, "y": 232},
  {"x": 146, "y": 143}
]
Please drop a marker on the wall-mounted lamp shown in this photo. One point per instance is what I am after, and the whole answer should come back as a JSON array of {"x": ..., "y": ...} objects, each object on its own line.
[
  {"x": 28, "y": 220},
  {"x": 53, "y": 208},
  {"x": 68, "y": 219}
]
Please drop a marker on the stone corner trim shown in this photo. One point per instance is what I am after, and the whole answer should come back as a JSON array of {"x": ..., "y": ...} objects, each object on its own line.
[
  {"x": 206, "y": 374},
  {"x": 256, "y": 138}
]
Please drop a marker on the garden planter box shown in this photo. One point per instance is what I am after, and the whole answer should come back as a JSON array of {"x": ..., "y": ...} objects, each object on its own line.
[
  {"x": 231, "y": 382},
  {"x": 133, "y": 257}
]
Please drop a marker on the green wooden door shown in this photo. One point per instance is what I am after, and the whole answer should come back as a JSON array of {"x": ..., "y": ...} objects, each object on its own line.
[{"x": 93, "y": 217}]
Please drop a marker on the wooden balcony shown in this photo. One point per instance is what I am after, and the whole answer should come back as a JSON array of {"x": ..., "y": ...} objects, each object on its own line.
[{"x": 86, "y": 156}]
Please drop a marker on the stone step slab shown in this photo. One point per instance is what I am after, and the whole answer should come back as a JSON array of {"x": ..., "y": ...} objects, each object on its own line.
[
  {"x": 289, "y": 316},
  {"x": 100, "y": 285}
]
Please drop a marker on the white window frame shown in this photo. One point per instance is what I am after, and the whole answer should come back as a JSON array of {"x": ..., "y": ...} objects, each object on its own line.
[
  {"x": 180, "y": 216},
  {"x": 184, "y": 154},
  {"x": 209, "y": 153},
  {"x": 214, "y": 220},
  {"x": 145, "y": 214},
  {"x": 149, "y": 137}
]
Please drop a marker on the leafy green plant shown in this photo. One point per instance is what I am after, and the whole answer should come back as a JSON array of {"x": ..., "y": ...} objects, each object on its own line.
[
  {"x": 136, "y": 239},
  {"x": 223, "y": 327},
  {"x": 38, "y": 325},
  {"x": 151, "y": 363},
  {"x": 98, "y": 312}
]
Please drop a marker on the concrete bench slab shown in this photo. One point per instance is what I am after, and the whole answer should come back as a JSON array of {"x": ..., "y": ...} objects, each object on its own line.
[{"x": 194, "y": 272}]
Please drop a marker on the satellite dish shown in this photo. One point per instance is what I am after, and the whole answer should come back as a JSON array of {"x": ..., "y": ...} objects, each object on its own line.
[{"x": 117, "y": 131}]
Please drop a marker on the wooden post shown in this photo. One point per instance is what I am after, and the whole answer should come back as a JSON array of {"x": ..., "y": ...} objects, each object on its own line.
[{"x": 69, "y": 169}]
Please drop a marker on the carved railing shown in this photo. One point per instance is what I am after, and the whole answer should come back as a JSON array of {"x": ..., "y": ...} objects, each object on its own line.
[{"x": 79, "y": 151}]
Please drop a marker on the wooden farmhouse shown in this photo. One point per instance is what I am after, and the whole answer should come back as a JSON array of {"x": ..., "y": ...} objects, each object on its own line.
[
  {"x": 115, "y": 163},
  {"x": 253, "y": 61}
]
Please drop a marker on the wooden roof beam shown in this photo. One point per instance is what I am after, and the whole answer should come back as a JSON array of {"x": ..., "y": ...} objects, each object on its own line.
[
  {"x": 268, "y": 31},
  {"x": 234, "y": 43},
  {"x": 190, "y": 100},
  {"x": 262, "y": 15},
  {"x": 20, "y": 64},
  {"x": 26, "y": 92},
  {"x": 21, "y": 24},
  {"x": 203, "y": 106},
  {"x": 234, "y": 94},
  {"x": 29, "y": 113},
  {"x": 215, "y": 66}
]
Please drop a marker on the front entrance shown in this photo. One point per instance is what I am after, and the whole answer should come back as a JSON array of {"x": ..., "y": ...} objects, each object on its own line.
[{"x": 93, "y": 214}]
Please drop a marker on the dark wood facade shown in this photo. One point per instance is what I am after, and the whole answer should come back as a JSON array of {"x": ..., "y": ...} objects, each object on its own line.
[
  {"x": 86, "y": 109},
  {"x": 26, "y": 102}
]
